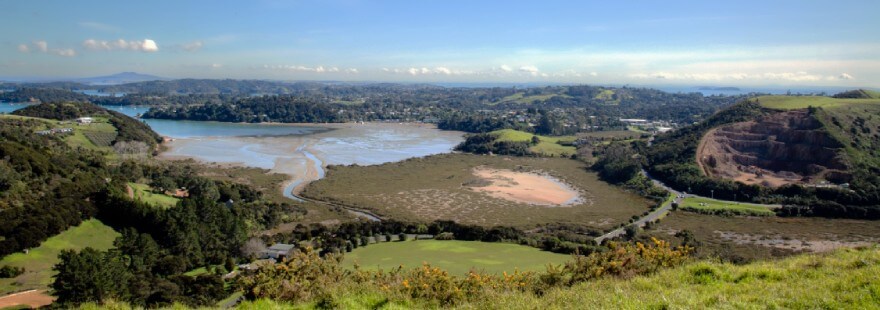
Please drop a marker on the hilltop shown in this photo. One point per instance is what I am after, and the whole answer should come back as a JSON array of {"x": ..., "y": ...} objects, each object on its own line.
[{"x": 821, "y": 152}]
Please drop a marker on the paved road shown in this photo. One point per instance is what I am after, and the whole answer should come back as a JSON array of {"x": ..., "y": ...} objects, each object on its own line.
[
  {"x": 663, "y": 210},
  {"x": 654, "y": 215}
]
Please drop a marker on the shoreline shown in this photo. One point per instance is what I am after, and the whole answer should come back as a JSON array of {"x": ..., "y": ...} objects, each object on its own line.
[{"x": 304, "y": 157}]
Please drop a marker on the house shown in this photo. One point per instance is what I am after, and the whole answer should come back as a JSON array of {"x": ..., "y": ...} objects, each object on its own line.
[
  {"x": 84, "y": 120},
  {"x": 278, "y": 251}
]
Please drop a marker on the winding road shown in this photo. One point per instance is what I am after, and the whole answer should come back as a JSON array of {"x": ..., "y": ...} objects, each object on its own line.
[{"x": 654, "y": 215}]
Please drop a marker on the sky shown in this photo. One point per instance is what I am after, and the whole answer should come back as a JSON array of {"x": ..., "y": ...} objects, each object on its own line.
[{"x": 721, "y": 43}]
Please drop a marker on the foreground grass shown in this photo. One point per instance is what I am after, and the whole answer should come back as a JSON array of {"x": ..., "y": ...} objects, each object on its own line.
[
  {"x": 457, "y": 257},
  {"x": 845, "y": 279},
  {"x": 723, "y": 207},
  {"x": 39, "y": 261},
  {"x": 144, "y": 193},
  {"x": 549, "y": 146},
  {"x": 803, "y": 102}
]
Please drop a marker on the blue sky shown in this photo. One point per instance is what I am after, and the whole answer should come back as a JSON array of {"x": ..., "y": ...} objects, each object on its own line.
[{"x": 748, "y": 43}]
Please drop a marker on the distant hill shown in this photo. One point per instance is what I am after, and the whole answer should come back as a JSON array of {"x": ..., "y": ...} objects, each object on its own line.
[
  {"x": 858, "y": 94},
  {"x": 120, "y": 78}
]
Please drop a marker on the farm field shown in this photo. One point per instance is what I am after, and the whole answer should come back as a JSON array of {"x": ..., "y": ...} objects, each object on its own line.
[
  {"x": 522, "y": 99},
  {"x": 456, "y": 257},
  {"x": 618, "y": 134},
  {"x": 803, "y": 102},
  {"x": 548, "y": 145},
  {"x": 39, "y": 261},
  {"x": 708, "y": 205},
  {"x": 144, "y": 193},
  {"x": 437, "y": 187}
]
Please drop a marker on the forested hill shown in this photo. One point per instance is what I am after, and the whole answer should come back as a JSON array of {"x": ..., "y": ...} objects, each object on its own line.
[
  {"x": 45, "y": 185},
  {"x": 127, "y": 128}
]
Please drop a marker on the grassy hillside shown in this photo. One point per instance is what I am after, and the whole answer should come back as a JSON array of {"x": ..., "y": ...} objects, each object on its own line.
[
  {"x": 803, "y": 102},
  {"x": 548, "y": 145},
  {"x": 39, "y": 261},
  {"x": 845, "y": 279},
  {"x": 457, "y": 257},
  {"x": 520, "y": 98}
]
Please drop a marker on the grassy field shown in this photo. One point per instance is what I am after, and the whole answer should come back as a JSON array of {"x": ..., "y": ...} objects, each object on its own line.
[
  {"x": 435, "y": 187},
  {"x": 548, "y": 145},
  {"x": 39, "y": 261},
  {"x": 144, "y": 193},
  {"x": 845, "y": 279},
  {"x": 802, "y": 102},
  {"x": 457, "y": 257},
  {"x": 522, "y": 99},
  {"x": 712, "y": 206}
]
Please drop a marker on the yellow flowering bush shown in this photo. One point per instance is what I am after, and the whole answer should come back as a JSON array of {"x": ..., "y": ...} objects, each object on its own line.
[{"x": 626, "y": 260}]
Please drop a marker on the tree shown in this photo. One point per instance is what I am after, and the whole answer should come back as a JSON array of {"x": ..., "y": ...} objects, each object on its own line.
[{"x": 90, "y": 275}]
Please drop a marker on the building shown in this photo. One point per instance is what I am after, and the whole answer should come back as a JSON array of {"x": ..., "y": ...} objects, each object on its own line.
[
  {"x": 278, "y": 251},
  {"x": 84, "y": 120}
]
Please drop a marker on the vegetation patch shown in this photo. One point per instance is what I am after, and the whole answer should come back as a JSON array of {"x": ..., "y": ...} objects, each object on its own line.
[
  {"x": 719, "y": 207},
  {"x": 746, "y": 238},
  {"x": 434, "y": 187},
  {"x": 546, "y": 145},
  {"x": 144, "y": 192},
  {"x": 38, "y": 262},
  {"x": 456, "y": 257}
]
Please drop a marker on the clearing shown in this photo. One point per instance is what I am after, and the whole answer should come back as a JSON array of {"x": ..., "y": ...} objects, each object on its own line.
[
  {"x": 524, "y": 187},
  {"x": 145, "y": 193},
  {"x": 456, "y": 257},
  {"x": 549, "y": 145},
  {"x": 38, "y": 262}
]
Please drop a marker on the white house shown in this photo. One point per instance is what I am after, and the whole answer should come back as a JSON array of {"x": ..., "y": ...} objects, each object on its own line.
[{"x": 84, "y": 120}]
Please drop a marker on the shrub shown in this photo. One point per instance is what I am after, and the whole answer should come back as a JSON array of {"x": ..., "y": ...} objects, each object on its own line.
[{"x": 10, "y": 271}]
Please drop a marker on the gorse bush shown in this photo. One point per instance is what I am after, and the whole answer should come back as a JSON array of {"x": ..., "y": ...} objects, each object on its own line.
[
  {"x": 307, "y": 277},
  {"x": 304, "y": 276}
]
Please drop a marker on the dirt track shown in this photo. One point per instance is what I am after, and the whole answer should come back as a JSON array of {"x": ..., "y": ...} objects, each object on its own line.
[{"x": 32, "y": 298}]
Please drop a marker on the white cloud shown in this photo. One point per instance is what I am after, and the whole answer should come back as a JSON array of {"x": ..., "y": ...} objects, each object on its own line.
[
  {"x": 41, "y": 46},
  {"x": 443, "y": 70},
  {"x": 145, "y": 45},
  {"x": 318, "y": 69},
  {"x": 65, "y": 52},
  {"x": 594, "y": 73},
  {"x": 529, "y": 69},
  {"x": 216, "y": 66},
  {"x": 845, "y": 76},
  {"x": 506, "y": 68},
  {"x": 191, "y": 46}
]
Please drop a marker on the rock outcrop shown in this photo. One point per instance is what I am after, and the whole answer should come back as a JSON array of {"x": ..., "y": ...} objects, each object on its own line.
[{"x": 783, "y": 148}]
